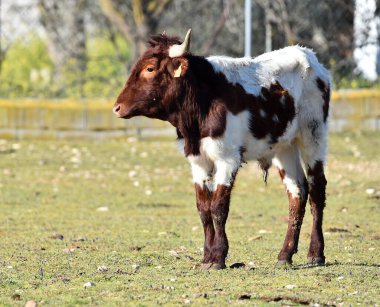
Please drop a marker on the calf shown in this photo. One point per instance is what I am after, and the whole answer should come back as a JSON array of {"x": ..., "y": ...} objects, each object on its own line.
[{"x": 272, "y": 109}]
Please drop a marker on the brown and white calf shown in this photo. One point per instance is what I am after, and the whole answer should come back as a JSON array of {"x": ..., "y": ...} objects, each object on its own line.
[{"x": 272, "y": 109}]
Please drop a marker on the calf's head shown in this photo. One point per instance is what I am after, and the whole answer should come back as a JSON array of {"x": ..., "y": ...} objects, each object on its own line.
[{"x": 154, "y": 85}]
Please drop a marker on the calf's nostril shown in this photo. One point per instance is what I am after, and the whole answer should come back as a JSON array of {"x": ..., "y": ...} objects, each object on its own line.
[{"x": 116, "y": 109}]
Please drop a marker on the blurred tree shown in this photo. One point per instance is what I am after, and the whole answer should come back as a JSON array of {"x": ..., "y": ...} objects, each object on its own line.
[
  {"x": 377, "y": 13},
  {"x": 135, "y": 19},
  {"x": 216, "y": 24},
  {"x": 11, "y": 12},
  {"x": 3, "y": 45},
  {"x": 326, "y": 26},
  {"x": 93, "y": 43},
  {"x": 26, "y": 70},
  {"x": 64, "y": 23},
  {"x": 210, "y": 19},
  {"x": 2, "y": 53}
]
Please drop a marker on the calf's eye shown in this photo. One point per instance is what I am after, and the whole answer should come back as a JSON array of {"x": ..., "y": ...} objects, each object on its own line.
[{"x": 150, "y": 69}]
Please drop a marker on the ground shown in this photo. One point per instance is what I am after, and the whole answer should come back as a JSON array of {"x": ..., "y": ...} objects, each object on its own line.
[{"x": 121, "y": 215}]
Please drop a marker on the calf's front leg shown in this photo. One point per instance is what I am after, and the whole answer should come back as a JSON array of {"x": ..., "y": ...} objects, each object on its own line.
[
  {"x": 225, "y": 172},
  {"x": 220, "y": 205},
  {"x": 202, "y": 170},
  {"x": 213, "y": 201},
  {"x": 203, "y": 199},
  {"x": 213, "y": 208}
]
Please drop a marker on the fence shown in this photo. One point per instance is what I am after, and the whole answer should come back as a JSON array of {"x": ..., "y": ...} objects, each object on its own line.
[
  {"x": 54, "y": 119},
  {"x": 355, "y": 110},
  {"x": 69, "y": 119}
]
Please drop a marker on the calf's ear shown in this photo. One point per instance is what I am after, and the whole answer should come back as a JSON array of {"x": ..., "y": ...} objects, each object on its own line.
[
  {"x": 178, "y": 71},
  {"x": 178, "y": 67}
]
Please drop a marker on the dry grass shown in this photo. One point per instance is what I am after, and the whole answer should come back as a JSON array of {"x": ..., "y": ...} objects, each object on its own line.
[{"x": 69, "y": 208}]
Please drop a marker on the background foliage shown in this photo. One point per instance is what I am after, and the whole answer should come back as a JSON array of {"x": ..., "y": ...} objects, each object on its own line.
[{"x": 81, "y": 48}]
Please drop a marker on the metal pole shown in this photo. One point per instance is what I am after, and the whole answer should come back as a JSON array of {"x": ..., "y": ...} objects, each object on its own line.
[{"x": 247, "y": 23}]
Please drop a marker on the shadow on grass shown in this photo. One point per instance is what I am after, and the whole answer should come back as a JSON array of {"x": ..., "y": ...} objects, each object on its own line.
[
  {"x": 336, "y": 263},
  {"x": 295, "y": 300},
  {"x": 155, "y": 205}
]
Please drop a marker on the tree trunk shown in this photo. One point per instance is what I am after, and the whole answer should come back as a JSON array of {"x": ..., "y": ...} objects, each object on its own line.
[{"x": 65, "y": 29}]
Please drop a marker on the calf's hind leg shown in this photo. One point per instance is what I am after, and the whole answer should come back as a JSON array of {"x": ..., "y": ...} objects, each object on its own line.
[
  {"x": 293, "y": 177},
  {"x": 317, "y": 183},
  {"x": 313, "y": 150}
]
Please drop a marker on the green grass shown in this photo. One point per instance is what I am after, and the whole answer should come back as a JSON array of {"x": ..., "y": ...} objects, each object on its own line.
[{"x": 50, "y": 188}]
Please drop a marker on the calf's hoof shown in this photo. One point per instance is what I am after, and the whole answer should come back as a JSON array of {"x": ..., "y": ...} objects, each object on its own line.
[
  {"x": 316, "y": 260},
  {"x": 218, "y": 266},
  {"x": 212, "y": 266},
  {"x": 283, "y": 264}
]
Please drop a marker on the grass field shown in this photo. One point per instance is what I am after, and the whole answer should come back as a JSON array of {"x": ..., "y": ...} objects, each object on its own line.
[{"x": 121, "y": 215}]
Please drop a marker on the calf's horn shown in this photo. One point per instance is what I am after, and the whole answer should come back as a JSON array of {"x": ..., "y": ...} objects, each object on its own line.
[{"x": 179, "y": 50}]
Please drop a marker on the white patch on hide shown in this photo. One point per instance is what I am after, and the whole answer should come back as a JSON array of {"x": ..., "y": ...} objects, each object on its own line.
[
  {"x": 201, "y": 169},
  {"x": 287, "y": 159},
  {"x": 291, "y": 187},
  {"x": 220, "y": 157},
  {"x": 296, "y": 69}
]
